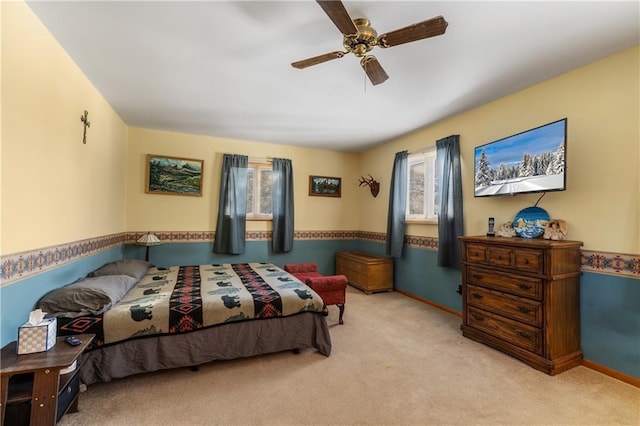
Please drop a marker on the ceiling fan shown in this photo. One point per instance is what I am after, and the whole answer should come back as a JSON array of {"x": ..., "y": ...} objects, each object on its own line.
[{"x": 360, "y": 37}]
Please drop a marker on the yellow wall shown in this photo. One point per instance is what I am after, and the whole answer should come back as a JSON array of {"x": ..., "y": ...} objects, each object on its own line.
[
  {"x": 55, "y": 189},
  {"x": 601, "y": 203},
  {"x": 183, "y": 213}
]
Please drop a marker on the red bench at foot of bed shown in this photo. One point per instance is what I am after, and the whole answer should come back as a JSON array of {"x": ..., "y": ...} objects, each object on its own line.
[{"x": 332, "y": 288}]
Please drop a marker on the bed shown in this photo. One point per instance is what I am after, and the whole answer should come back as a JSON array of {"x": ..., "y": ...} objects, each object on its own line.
[{"x": 148, "y": 318}]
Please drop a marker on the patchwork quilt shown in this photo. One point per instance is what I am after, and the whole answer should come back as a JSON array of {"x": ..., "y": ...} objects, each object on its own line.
[{"x": 182, "y": 299}]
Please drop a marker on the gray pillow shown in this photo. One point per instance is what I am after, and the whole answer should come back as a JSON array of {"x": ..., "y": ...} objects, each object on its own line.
[
  {"x": 132, "y": 267},
  {"x": 91, "y": 295}
]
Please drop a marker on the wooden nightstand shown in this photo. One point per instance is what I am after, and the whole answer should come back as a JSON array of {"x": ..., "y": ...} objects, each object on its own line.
[{"x": 47, "y": 381}]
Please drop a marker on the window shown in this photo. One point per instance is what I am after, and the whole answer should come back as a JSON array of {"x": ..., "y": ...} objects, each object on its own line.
[
  {"x": 259, "y": 190},
  {"x": 422, "y": 191}
]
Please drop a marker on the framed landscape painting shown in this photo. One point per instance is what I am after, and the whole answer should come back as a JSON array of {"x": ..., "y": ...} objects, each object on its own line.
[
  {"x": 173, "y": 176},
  {"x": 325, "y": 186}
]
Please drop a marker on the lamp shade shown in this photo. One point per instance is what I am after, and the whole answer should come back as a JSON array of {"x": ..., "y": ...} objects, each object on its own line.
[{"x": 148, "y": 239}]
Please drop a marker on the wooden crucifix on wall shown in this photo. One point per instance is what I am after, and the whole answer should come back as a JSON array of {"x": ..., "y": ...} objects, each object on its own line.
[{"x": 86, "y": 122}]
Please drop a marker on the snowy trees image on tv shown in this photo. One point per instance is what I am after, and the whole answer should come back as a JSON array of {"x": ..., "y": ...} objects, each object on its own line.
[{"x": 531, "y": 161}]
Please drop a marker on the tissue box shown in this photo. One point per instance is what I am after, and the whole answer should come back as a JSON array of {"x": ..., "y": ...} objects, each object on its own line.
[{"x": 37, "y": 338}]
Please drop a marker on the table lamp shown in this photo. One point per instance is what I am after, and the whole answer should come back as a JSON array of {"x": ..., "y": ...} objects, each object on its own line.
[{"x": 148, "y": 240}]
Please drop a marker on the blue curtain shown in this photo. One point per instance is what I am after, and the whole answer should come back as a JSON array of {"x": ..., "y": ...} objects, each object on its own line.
[
  {"x": 450, "y": 225},
  {"x": 282, "y": 197},
  {"x": 232, "y": 205},
  {"x": 397, "y": 205}
]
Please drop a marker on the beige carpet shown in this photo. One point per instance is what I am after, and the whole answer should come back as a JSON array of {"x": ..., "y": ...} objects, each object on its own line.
[{"x": 395, "y": 361}]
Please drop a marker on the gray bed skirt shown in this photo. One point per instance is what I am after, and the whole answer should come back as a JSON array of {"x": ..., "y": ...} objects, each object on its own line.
[{"x": 229, "y": 341}]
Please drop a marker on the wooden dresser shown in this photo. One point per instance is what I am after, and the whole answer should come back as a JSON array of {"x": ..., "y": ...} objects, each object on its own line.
[
  {"x": 368, "y": 272},
  {"x": 522, "y": 297}
]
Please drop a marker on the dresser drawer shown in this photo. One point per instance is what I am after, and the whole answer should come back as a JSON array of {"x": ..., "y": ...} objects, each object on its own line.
[
  {"x": 505, "y": 257},
  {"x": 499, "y": 256},
  {"x": 529, "y": 260},
  {"x": 515, "y": 284},
  {"x": 476, "y": 253},
  {"x": 518, "y": 308},
  {"x": 514, "y": 332}
]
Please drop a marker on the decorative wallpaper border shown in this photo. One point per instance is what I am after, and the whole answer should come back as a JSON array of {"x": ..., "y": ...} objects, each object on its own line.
[
  {"x": 173, "y": 237},
  {"x": 18, "y": 266},
  {"x": 610, "y": 263},
  {"x": 208, "y": 236}
]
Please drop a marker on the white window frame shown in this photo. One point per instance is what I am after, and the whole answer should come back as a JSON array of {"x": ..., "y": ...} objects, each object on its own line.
[
  {"x": 428, "y": 157},
  {"x": 257, "y": 167}
]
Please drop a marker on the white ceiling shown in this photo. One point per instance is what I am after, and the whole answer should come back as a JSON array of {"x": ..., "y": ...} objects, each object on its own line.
[{"x": 222, "y": 68}]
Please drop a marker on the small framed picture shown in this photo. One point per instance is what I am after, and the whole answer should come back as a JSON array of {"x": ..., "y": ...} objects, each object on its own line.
[
  {"x": 325, "y": 186},
  {"x": 173, "y": 176}
]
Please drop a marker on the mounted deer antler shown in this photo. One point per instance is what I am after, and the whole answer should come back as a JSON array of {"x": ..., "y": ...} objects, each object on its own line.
[{"x": 371, "y": 183}]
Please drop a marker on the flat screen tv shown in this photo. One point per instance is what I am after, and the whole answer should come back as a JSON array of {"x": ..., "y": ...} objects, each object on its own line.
[{"x": 531, "y": 161}]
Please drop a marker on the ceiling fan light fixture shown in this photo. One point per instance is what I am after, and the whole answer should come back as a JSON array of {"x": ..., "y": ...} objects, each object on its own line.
[
  {"x": 362, "y": 42},
  {"x": 365, "y": 38},
  {"x": 361, "y": 49}
]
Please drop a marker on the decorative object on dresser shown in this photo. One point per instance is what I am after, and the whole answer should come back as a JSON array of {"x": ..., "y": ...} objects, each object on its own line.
[
  {"x": 332, "y": 288},
  {"x": 365, "y": 271},
  {"x": 556, "y": 229},
  {"x": 530, "y": 222},
  {"x": 506, "y": 230},
  {"x": 522, "y": 297}
]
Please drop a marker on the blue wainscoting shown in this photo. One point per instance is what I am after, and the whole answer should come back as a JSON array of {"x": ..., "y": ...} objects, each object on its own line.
[
  {"x": 321, "y": 251},
  {"x": 610, "y": 321},
  {"x": 609, "y": 304},
  {"x": 19, "y": 298},
  {"x": 417, "y": 273}
]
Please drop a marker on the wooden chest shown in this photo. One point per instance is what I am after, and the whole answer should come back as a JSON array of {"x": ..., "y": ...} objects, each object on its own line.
[
  {"x": 521, "y": 296},
  {"x": 368, "y": 272}
]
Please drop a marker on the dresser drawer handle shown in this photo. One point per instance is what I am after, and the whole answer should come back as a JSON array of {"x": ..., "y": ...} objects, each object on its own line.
[
  {"x": 524, "y": 286},
  {"x": 524, "y": 335},
  {"x": 525, "y": 261},
  {"x": 477, "y": 317},
  {"x": 477, "y": 276},
  {"x": 499, "y": 257},
  {"x": 477, "y": 295},
  {"x": 524, "y": 309}
]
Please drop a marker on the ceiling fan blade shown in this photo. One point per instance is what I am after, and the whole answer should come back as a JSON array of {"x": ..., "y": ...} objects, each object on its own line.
[
  {"x": 317, "y": 60},
  {"x": 430, "y": 28},
  {"x": 340, "y": 17},
  {"x": 374, "y": 70}
]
